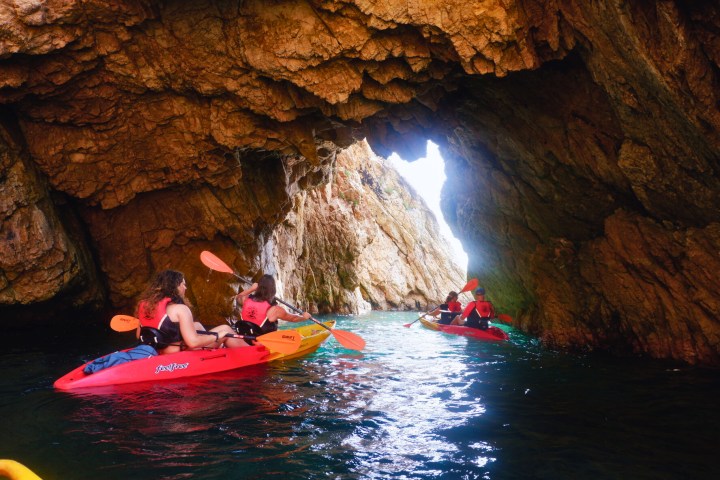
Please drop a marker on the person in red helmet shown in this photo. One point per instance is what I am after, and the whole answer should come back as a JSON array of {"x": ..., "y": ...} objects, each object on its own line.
[{"x": 478, "y": 313}]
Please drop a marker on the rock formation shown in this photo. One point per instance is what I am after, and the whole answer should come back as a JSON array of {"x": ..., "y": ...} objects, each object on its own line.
[
  {"x": 582, "y": 142},
  {"x": 365, "y": 240}
]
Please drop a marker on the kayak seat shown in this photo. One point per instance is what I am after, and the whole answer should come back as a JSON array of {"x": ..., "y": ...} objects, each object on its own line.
[
  {"x": 244, "y": 327},
  {"x": 152, "y": 336}
]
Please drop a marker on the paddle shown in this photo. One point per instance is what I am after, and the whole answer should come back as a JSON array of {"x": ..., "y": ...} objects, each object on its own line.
[
  {"x": 505, "y": 318},
  {"x": 280, "y": 341},
  {"x": 346, "y": 339},
  {"x": 471, "y": 285},
  {"x": 124, "y": 323}
]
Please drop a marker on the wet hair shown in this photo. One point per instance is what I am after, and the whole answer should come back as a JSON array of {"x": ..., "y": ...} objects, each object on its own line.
[
  {"x": 450, "y": 296},
  {"x": 164, "y": 284},
  {"x": 266, "y": 290}
]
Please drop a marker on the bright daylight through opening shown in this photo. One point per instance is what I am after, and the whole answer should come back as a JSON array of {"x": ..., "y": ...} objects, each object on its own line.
[{"x": 427, "y": 176}]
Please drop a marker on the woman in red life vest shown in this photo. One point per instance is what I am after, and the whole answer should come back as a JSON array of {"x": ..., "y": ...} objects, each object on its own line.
[
  {"x": 448, "y": 310},
  {"x": 478, "y": 313},
  {"x": 164, "y": 307},
  {"x": 260, "y": 312}
]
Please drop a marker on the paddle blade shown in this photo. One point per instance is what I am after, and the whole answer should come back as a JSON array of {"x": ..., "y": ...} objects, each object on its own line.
[
  {"x": 505, "y": 318},
  {"x": 349, "y": 339},
  {"x": 281, "y": 341},
  {"x": 471, "y": 285},
  {"x": 124, "y": 323},
  {"x": 214, "y": 263},
  {"x": 408, "y": 325}
]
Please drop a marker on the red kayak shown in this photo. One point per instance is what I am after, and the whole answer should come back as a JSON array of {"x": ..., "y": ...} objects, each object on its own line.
[
  {"x": 190, "y": 363},
  {"x": 491, "y": 334},
  {"x": 162, "y": 367}
]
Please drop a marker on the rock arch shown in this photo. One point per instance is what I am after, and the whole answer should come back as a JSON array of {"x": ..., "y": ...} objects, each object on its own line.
[{"x": 582, "y": 141}]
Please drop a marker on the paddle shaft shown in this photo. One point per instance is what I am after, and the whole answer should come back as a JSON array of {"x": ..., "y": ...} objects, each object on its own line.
[
  {"x": 347, "y": 339},
  {"x": 227, "y": 335},
  {"x": 297, "y": 310},
  {"x": 421, "y": 316},
  {"x": 291, "y": 307}
]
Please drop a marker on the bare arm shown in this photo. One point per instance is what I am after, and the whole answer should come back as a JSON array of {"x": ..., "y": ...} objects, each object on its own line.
[
  {"x": 245, "y": 293},
  {"x": 278, "y": 313},
  {"x": 183, "y": 315}
]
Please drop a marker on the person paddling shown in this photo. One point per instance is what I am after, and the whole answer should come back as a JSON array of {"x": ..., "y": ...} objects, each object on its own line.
[
  {"x": 448, "y": 310},
  {"x": 477, "y": 314},
  {"x": 260, "y": 311},
  {"x": 164, "y": 308}
]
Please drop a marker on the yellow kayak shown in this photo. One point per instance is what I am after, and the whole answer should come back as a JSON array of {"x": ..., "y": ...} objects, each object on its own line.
[
  {"x": 312, "y": 337},
  {"x": 16, "y": 471}
]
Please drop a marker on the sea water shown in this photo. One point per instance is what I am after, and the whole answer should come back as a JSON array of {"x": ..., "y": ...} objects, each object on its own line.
[{"x": 415, "y": 404}]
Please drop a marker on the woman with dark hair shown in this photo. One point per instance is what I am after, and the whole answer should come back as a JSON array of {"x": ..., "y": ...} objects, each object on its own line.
[
  {"x": 164, "y": 308},
  {"x": 449, "y": 309},
  {"x": 260, "y": 311}
]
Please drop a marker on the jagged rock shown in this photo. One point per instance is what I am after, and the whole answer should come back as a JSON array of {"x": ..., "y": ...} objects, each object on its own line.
[
  {"x": 43, "y": 257},
  {"x": 559, "y": 122}
]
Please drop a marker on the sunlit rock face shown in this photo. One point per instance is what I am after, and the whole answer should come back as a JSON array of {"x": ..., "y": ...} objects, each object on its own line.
[
  {"x": 581, "y": 140},
  {"x": 365, "y": 240}
]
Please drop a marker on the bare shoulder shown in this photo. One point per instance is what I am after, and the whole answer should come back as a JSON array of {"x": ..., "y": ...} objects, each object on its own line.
[
  {"x": 275, "y": 312},
  {"x": 176, "y": 311}
]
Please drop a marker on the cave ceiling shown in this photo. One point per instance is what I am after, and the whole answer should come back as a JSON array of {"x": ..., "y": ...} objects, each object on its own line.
[{"x": 581, "y": 141}]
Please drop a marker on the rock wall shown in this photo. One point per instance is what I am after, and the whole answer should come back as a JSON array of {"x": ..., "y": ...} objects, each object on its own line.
[
  {"x": 582, "y": 141},
  {"x": 43, "y": 255}
]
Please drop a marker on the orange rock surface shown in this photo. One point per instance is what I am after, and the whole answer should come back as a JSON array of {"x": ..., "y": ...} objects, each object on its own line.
[{"x": 582, "y": 141}]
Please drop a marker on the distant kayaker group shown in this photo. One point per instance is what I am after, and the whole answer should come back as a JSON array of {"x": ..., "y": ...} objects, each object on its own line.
[{"x": 477, "y": 313}]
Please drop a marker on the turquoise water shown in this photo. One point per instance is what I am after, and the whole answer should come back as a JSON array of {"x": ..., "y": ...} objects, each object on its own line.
[{"x": 415, "y": 404}]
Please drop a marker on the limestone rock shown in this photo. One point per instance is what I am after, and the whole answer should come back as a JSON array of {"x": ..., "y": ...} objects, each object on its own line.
[{"x": 365, "y": 240}]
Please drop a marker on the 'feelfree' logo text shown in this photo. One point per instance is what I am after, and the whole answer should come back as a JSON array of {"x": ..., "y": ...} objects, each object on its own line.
[{"x": 170, "y": 367}]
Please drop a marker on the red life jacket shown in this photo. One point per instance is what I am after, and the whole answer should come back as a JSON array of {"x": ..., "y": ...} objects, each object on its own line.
[
  {"x": 160, "y": 314},
  {"x": 157, "y": 329},
  {"x": 485, "y": 309},
  {"x": 254, "y": 311}
]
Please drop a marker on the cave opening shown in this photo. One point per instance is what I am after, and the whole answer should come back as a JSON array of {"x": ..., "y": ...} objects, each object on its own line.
[{"x": 427, "y": 176}]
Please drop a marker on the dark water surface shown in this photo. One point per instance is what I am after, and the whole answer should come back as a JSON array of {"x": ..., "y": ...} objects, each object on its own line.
[{"x": 415, "y": 404}]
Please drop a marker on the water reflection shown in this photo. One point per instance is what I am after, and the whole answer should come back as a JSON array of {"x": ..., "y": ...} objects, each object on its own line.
[{"x": 415, "y": 404}]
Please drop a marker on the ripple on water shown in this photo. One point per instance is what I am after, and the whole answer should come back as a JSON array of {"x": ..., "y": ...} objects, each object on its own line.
[{"x": 415, "y": 404}]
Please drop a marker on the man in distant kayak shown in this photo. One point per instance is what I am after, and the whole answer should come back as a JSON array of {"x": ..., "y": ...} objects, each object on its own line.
[{"x": 477, "y": 314}]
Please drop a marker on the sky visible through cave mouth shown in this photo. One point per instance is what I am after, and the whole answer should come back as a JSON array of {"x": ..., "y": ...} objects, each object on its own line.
[{"x": 427, "y": 176}]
